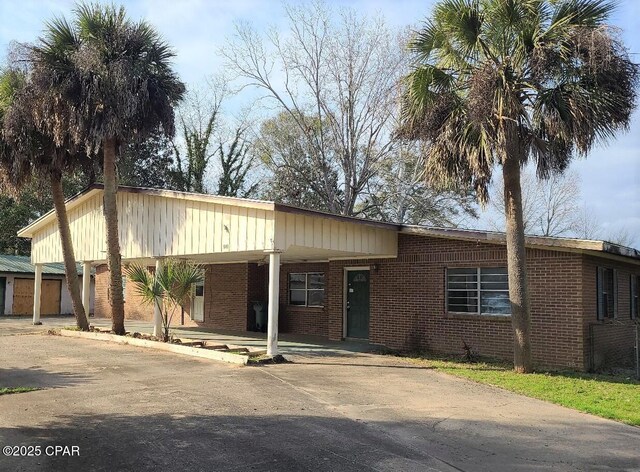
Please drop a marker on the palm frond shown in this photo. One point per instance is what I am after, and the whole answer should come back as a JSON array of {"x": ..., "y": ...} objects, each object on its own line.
[
  {"x": 57, "y": 45},
  {"x": 536, "y": 79},
  {"x": 425, "y": 41},
  {"x": 177, "y": 279},
  {"x": 582, "y": 12},
  {"x": 145, "y": 283},
  {"x": 105, "y": 76},
  {"x": 461, "y": 21},
  {"x": 427, "y": 102}
]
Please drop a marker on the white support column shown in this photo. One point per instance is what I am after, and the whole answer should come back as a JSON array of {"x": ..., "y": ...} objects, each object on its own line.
[
  {"x": 274, "y": 302},
  {"x": 157, "y": 314},
  {"x": 37, "y": 291},
  {"x": 86, "y": 287}
]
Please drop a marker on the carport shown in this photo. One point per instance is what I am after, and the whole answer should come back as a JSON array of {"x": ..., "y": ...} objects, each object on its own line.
[{"x": 156, "y": 224}]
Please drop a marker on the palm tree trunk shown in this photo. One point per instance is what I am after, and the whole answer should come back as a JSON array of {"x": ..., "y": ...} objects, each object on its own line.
[
  {"x": 516, "y": 263},
  {"x": 113, "y": 242},
  {"x": 70, "y": 267}
]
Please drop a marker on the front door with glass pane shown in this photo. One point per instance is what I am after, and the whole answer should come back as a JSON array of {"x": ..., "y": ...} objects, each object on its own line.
[
  {"x": 357, "y": 305},
  {"x": 197, "y": 313}
]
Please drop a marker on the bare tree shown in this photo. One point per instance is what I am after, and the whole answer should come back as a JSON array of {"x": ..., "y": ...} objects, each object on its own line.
[
  {"x": 294, "y": 176},
  {"x": 554, "y": 207},
  {"x": 622, "y": 236},
  {"x": 335, "y": 77},
  {"x": 590, "y": 227},
  {"x": 400, "y": 193},
  {"x": 550, "y": 207},
  {"x": 587, "y": 227}
]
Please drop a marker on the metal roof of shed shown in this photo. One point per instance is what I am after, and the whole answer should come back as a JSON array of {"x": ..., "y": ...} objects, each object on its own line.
[{"x": 22, "y": 265}]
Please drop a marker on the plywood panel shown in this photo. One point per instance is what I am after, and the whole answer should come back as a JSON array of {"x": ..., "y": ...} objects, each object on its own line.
[
  {"x": 22, "y": 296},
  {"x": 49, "y": 298}
]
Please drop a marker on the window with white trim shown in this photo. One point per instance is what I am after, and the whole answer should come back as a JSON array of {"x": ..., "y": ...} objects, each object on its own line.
[
  {"x": 634, "y": 288},
  {"x": 306, "y": 289},
  {"x": 478, "y": 291},
  {"x": 607, "y": 293}
]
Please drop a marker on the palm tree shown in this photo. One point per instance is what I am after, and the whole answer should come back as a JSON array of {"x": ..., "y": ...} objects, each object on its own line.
[
  {"x": 25, "y": 154},
  {"x": 167, "y": 289},
  {"x": 110, "y": 82},
  {"x": 504, "y": 82}
]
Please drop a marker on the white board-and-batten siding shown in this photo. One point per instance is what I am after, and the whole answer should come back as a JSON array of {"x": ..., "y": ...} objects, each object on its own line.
[
  {"x": 152, "y": 225},
  {"x": 343, "y": 236}
]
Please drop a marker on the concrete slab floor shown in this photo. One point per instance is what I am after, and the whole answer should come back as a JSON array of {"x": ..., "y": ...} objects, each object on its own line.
[
  {"x": 129, "y": 408},
  {"x": 289, "y": 345}
]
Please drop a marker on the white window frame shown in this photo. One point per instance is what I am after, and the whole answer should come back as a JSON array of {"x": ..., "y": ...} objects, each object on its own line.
[
  {"x": 306, "y": 288},
  {"x": 478, "y": 289}
]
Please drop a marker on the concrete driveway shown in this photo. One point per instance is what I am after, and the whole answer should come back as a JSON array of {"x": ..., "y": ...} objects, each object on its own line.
[{"x": 128, "y": 408}]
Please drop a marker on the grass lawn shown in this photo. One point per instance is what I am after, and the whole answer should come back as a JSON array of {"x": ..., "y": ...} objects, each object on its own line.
[
  {"x": 8, "y": 390},
  {"x": 610, "y": 396}
]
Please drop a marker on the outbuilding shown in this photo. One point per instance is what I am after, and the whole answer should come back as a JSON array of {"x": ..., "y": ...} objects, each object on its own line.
[
  {"x": 17, "y": 276},
  {"x": 404, "y": 287}
]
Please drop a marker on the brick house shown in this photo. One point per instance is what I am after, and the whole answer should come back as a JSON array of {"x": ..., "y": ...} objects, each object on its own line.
[{"x": 404, "y": 287}]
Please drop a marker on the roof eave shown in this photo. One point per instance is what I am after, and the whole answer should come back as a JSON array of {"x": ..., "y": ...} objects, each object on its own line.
[
  {"x": 542, "y": 242},
  {"x": 27, "y": 231},
  {"x": 323, "y": 214}
]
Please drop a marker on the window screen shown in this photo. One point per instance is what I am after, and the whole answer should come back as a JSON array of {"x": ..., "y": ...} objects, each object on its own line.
[{"x": 478, "y": 291}]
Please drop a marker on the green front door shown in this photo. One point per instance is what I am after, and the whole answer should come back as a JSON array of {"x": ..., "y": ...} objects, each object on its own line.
[
  {"x": 358, "y": 304},
  {"x": 3, "y": 288}
]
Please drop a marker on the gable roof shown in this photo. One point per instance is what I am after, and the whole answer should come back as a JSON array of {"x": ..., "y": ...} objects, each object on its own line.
[
  {"x": 22, "y": 265},
  {"x": 557, "y": 243},
  {"x": 78, "y": 199}
]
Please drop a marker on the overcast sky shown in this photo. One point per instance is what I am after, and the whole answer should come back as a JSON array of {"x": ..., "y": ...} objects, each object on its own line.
[{"x": 198, "y": 28}]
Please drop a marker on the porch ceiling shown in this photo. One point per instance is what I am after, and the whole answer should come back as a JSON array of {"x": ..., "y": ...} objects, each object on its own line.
[{"x": 292, "y": 254}]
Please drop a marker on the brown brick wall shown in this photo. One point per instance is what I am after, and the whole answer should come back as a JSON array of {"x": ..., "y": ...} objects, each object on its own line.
[
  {"x": 225, "y": 304},
  {"x": 134, "y": 308},
  {"x": 299, "y": 319},
  {"x": 408, "y": 302},
  {"x": 101, "y": 305},
  {"x": 225, "y": 296}
]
